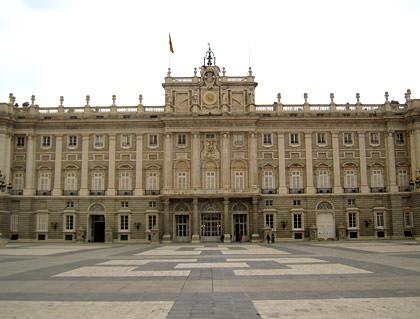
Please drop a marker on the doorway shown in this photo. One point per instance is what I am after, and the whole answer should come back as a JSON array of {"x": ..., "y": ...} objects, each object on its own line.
[
  {"x": 240, "y": 227},
  {"x": 182, "y": 228},
  {"x": 210, "y": 226},
  {"x": 326, "y": 226},
  {"x": 97, "y": 230}
]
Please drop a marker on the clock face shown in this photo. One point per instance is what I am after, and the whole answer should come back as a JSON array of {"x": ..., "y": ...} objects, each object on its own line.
[{"x": 210, "y": 98}]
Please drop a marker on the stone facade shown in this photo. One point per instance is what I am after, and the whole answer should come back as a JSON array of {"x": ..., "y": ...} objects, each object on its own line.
[{"x": 207, "y": 163}]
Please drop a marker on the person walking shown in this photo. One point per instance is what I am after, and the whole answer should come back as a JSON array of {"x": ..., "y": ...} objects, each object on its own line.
[{"x": 268, "y": 239}]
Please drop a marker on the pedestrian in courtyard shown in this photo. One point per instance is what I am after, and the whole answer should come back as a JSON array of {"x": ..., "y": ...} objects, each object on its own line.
[
  {"x": 268, "y": 238},
  {"x": 222, "y": 238},
  {"x": 272, "y": 238},
  {"x": 240, "y": 238}
]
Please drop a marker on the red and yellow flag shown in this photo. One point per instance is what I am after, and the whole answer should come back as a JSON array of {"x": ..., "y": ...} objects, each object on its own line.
[{"x": 171, "y": 48}]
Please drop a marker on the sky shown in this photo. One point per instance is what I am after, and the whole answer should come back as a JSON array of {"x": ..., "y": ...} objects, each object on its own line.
[{"x": 72, "y": 48}]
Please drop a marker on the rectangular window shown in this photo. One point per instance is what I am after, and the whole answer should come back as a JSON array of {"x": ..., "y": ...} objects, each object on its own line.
[
  {"x": 268, "y": 203},
  {"x": 152, "y": 204},
  {"x": 70, "y": 182},
  {"x": 69, "y": 222},
  {"x": 182, "y": 180},
  {"x": 182, "y": 225},
  {"x": 296, "y": 181},
  {"x": 348, "y": 138},
  {"x": 408, "y": 219},
  {"x": 46, "y": 141},
  {"x": 125, "y": 140},
  {"x": 18, "y": 181},
  {"x": 41, "y": 222},
  {"x": 297, "y": 221},
  {"x": 124, "y": 204},
  {"x": 153, "y": 140},
  {"x": 99, "y": 141},
  {"x": 377, "y": 180},
  {"x": 352, "y": 220},
  {"x": 14, "y": 223},
  {"x": 351, "y": 202},
  {"x": 72, "y": 141},
  {"x": 238, "y": 139},
  {"x": 98, "y": 181},
  {"x": 350, "y": 179},
  {"x": 210, "y": 180},
  {"x": 70, "y": 204},
  {"x": 44, "y": 182},
  {"x": 20, "y": 142},
  {"x": 123, "y": 222},
  {"x": 380, "y": 223},
  {"x": 320, "y": 137},
  {"x": 294, "y": 139},
  {"x": 152, "y": 222},
  {"x": 269, "y": 221},
  {"x": 268, "y": 180},
  {"x": 182, "y": 140},
  {"x": 296, "y": 202},
  {"x": 152, "y": 181},
  {"x": 374, "y": 138},
  {"x": 239, "y": 179},
  {"x": 323, "y": 178},
  {"x": 400, "y": 138},
  {"x": 402, "y": 177},
  {"x": 267, "y": 139},
  {"x": 125, "y": 181}
]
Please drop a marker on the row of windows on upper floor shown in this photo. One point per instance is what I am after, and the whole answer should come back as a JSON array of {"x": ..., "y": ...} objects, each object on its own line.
[
  {"x": 348, "y": 138},
  {"x": 210, "y": 181}
]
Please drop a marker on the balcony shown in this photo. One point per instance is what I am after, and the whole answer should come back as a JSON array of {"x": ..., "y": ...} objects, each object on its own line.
[
  {"x": 152, "y": 192},
  {"x": 351, "y": 189},
  {"x": 16, "y": 192},
  {"x": 100, "y": 193},
  {"x": 268, "y": 190},
  {"x": 325, "y": 190},
  {"x": 404, "y": 189},
  {"x": 70, "y": 193},
  {"x": 378, "y": 189},
  {"x": 296, "y": 190},
  {"x": 43, "y": 193},
  {"x": 124, "y": 192}
]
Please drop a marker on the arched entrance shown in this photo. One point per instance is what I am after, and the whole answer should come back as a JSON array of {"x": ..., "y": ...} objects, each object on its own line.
[
  {"x": 325, "y": 221},
  {"x": 96, "y": 223},
  {"x": 211, "y": 224},
  {"x": 240, "y": 222},
  {"x": 182, "y": 224}
]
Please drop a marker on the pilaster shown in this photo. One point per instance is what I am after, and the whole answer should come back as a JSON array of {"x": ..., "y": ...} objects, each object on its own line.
[
  {"x": 282, "y": 164},
  {"x": 30, "y": 166},
  {"x": 364, "y": 188},
  {"x": 336, "y": 164},
  {"x": 111, "y": 166},
  {"x": 57, "y": 190},
  {"x": 226, "y": 219},
  {"x": 225, "y": 163},
  {"x": 252, "y": 160},
  {"x": 85, "y": 166},
  {"x": 138, "y": 191},
  {"x": 309, "y": 165},
  {"x": 195, "y": 160},
  {"x": 166, "y": 235},
  {"x": 392, "y": 178},
  {"x": 167, "y": 164},
  {"x": 195, "y": 222}
]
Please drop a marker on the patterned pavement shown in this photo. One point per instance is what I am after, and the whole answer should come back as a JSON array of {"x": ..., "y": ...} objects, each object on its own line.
[{"x": 345, "y": 279}]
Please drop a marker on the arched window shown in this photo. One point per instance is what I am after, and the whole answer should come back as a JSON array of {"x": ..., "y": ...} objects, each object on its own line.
[{"x": 324, "y": 206}]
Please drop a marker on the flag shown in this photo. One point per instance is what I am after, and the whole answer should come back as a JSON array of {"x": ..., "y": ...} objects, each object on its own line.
[{"x": 171, "y": 48}]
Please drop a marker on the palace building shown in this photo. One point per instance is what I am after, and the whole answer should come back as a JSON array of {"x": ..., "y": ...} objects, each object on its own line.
[{"x": 207, "y": 163}]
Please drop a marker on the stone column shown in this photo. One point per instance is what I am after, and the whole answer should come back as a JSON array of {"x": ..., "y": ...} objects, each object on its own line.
[
  {"x": 85, "y": 166},
  {"x": 225, "y": 163},
  {"x": 111, "y": 166},
  {"x": 413, "y": 155},
  {"x": 226, "y": 219},
  {"x": 138, "y": 191},
  {"x": 5, "y": 150},
  {"x": 252, "y": 160},
  {"x": 363, "y": 168},
  {"x": 57, "y": 190},
  {"x": 309, "y": 165},
  {"x": 417, "y": 151},
  {"x": 282, "y": 164},
  {"x": 336, "y": 164},
  {"x": 195, "y": 161},
  {"x": 167, "y": 163},
  {"x": 166, "y": 232},
  {"x": 30, "y": 166},
  {"x": 254, "y": 224},
  {"x": 390, "y": 159},
  {"x": 195, "y": 222}
]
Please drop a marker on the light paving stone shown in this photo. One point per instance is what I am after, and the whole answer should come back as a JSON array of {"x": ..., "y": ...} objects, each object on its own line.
[
  {"x": 305, "y": 269},
  {"x": 349, "y": 308},
  {"x": 255, "y": 251},
  {"x": 280, "y": 260},
  {"x": 213, "y": 265},
  {"x": 168, "y": 253},
  {"x": 121, "y": 271},
  {"x": 136, "y": 262},
  {"x": 44, "y": 250},
  {"x": 78, "y": 309}
]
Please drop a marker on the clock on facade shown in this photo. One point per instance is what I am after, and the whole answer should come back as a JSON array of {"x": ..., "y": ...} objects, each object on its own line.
[{"x": 210, "y": 98}]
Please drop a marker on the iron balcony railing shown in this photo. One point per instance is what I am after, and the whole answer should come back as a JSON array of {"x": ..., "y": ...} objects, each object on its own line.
[
  {"x": 124, "y": 192},
  {"x": 351, "y": 189},
  {"x": 378, "y": 189},
  {"x": 152, "y": 192},
  {"x": 268, "y": 190},
  {"x": 324, "y": 190},
  {"x": 296, "y": 190}
]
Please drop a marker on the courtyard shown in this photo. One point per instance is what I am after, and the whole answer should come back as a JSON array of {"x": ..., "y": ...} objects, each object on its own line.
[{"x": 331, "y": 279}]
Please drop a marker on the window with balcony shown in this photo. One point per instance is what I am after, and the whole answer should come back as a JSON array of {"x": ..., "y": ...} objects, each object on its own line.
[
  {"x": 124, "y": 184},
  {"x": 403, "y": 180},
  {"x": 182, "y": 180},
  {"x": 98, "y": 184},
  {"x": 44, "y": 182},
  {"x": 152, "y": 181},
  {"x": 239, "y": 177},
  {"x": 377, "y": 181},
  {"x": 18, "y": 179},
  {"x": 324, "y": 181},
  {"x": 296, "y": 185},
  {"x": 70, "y": 183},
  {"x": 350, "y": 181},
  {"x": 211, "y": 180}
]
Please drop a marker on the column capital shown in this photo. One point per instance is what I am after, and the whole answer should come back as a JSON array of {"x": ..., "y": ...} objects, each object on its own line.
[
  {"x": 139, "y": 136},
  {"x": 195, "y": 133},
  {"x": 335, "y": 133},
  {"x": 390, "y": 132}
]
